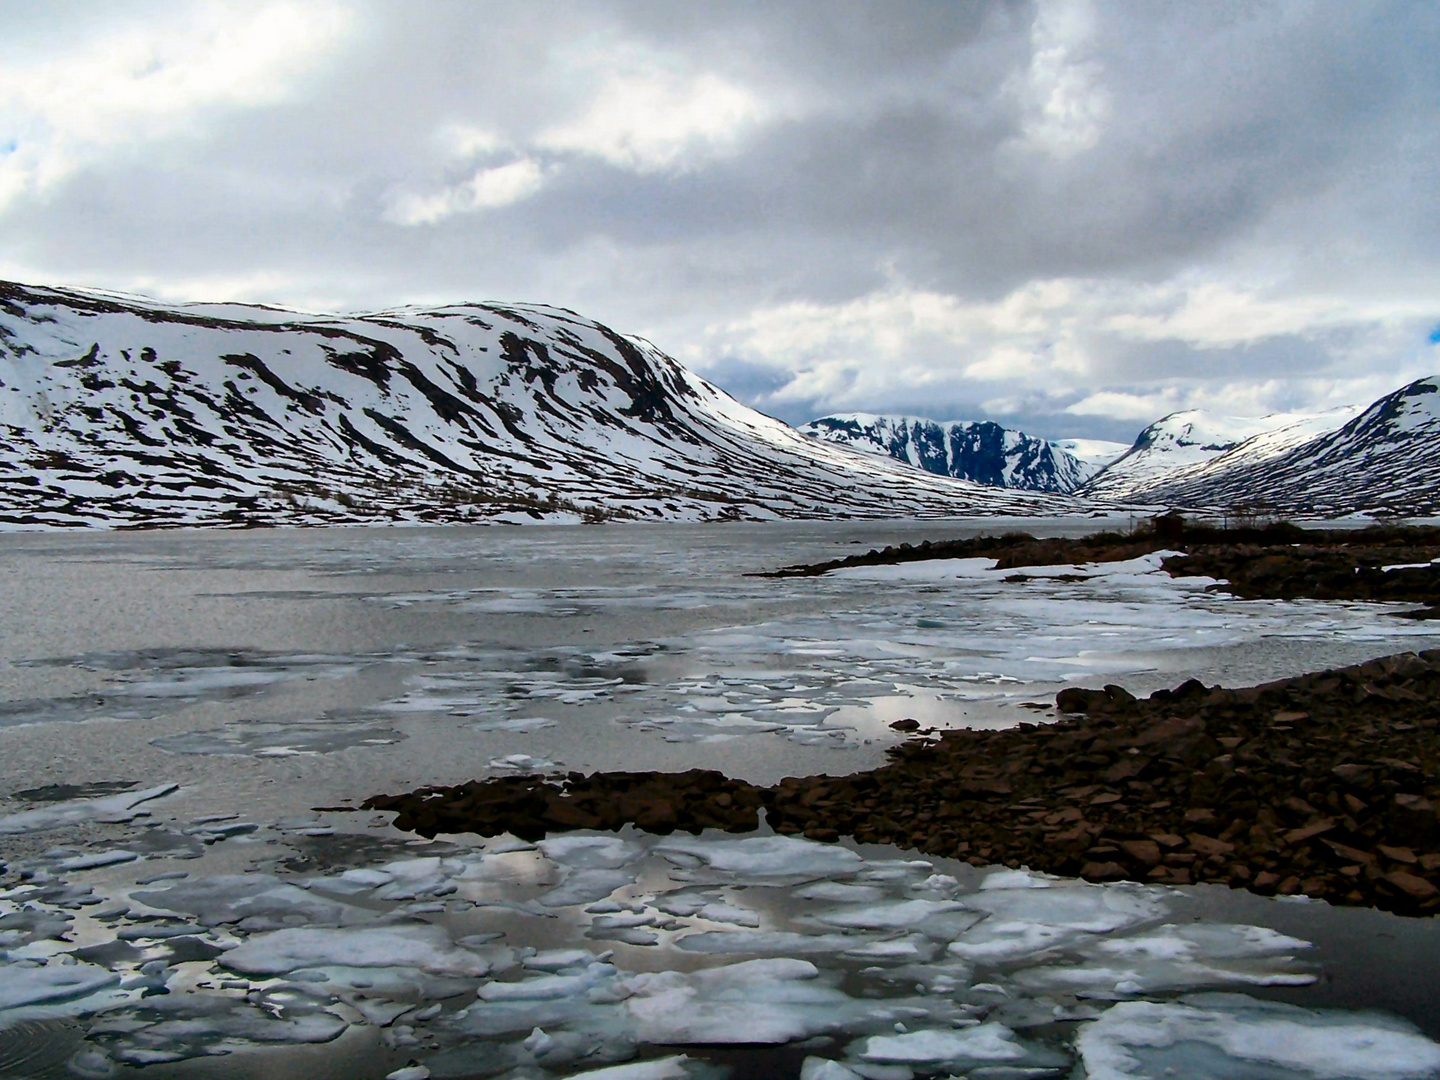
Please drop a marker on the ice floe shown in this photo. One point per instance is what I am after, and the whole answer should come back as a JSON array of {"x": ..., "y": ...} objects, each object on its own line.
[
  {"x": 24, "y": 985},
  {"x": 956, "y": 1049},
  {"x": 762, "y": 857},
  {"x": 423, "y": 946},
  {"x": 1177, "y": 958},
  {"x": 1073, "y": 906},
  {"x": 496, "y": 957},
  {"x": 753, "y": 1001},
  {"x": 113, "y": 809},
  {"x": 1231, "y": 1035},
  {"x": 278, "y": 740}
]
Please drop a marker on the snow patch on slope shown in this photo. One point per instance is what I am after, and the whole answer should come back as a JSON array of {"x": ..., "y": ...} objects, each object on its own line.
[
  {"x": 1185, "y": 443},
  {"x": 116, "y": 410},
  {"x": 1386, "y": 460}
]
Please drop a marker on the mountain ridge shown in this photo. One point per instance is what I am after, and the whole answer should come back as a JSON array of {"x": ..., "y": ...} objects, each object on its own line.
[
  {"x": 1384, "y": 460},
  {"x": 122, "y": 411},
  {"x": 1189, "y": 440},
  {"x": 978, "y": 450}
]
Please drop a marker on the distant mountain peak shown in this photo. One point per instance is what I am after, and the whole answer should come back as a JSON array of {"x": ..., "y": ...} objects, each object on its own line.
[
  {"x": 978, "y": 450},
  {"x": 1382, "y": 459},
  {"x": 1181, "y": 442}
]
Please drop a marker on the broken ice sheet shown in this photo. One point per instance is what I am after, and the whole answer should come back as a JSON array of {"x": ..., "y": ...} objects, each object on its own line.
[
  {"x": 168, "y": 1029},
  {"x": 585, "y": 886},
  {"x": 939, "y": 917},
  {"x": 278, "y": 740},
  {"x": 1095, "y": 909},
  {"x": 1232, "y": 1035},
  {"x": 852, "y": 945},
  {"x": 706, "y": 729},
  {"x": 198, "y": 674},
  {"x": 588, "y": 850},
  {"x": 705, "y": 905},
  {"x": 253, "y": 901},
  {"x": 766, "y": 943},
  {"x": 1172, "y": 958},
  {"x": 113, "y": 808},
  {"x": 521, "y": 763},
  {"x": 546, "y": 987},
  {"x": 753, "y": 1001},
  {"x": 23, "y": 985},
  {"x": 955, "y": 1049},
  {"x": 422, "y": 946},
  {"x": 768, "y": 858}
]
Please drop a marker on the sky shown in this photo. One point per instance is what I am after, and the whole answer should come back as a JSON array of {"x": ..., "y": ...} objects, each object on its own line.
[{"x": 1066, "y": 216}]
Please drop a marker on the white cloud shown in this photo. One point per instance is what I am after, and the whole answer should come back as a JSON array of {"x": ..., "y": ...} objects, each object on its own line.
[
  {"x": 150, "y": 82},
  {"x": 1260, "y": 398},
  {"x": 1129, "y": 406},
  {"x": 488, "y": 189},
  {"x": 905, "y": 337},
  {"x": 467, "y": 141},
  {"x": 1066, "y": 104},
  {"x": 1211, "y": 315},
  {"x": 657, "y": 116},
  {"x": 1078, "y": 346}
]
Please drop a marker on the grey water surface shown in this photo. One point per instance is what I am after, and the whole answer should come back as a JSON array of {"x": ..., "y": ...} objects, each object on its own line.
[{"x": 179, "y": 703}]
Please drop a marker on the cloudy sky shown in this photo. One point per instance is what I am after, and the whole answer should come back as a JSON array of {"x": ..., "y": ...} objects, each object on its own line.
[{"x": 1072, "y": 217}]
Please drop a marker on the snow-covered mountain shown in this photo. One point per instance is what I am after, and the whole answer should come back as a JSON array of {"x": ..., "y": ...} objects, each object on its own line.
[
  {"x": 1187, "y": 443},
  {"x": 1384, "y": 460},
  {"x": 977, "y": 450},
  {"x": 121, "y": 411}
]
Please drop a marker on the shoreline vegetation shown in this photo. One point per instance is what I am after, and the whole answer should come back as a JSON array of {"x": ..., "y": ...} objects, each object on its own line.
[{"x": 1324, "y": 785}]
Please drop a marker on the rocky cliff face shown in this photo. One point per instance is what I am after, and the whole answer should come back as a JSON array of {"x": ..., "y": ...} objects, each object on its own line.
[
  {"x": 119, "y": 411},
  {"x": 981, "y": 451}
]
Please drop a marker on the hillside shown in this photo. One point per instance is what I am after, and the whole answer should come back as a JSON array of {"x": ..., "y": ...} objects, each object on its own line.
[
  {"x": 1185, "y": 444},
  {"x": 121, "y": 411},
  {"x": 1386, "y": 460}
]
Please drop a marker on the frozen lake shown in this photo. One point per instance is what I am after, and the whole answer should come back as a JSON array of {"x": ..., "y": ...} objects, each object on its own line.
[{"x": 263, "y": 674}]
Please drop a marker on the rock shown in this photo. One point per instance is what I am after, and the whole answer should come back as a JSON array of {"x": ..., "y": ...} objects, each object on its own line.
[
  {"x": 1308, "y": 832},
  {"x": 1350, "y": 854},
  {"x": 1415, "y": 887},
  {"x": 1397, "y": 854},
  {"x": 1145, "y": 852},
  {"x": 1352, "y": 773},
  {"x": 1075, "y": 699}
]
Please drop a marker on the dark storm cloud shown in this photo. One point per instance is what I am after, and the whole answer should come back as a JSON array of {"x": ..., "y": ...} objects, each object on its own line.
[{"x": 1028, "y": 211}]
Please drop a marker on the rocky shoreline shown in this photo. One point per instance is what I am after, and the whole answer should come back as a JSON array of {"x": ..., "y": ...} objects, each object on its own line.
[
  {"x": 1324, "y": 785},
  {"x": 1276, "y": 561}
]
